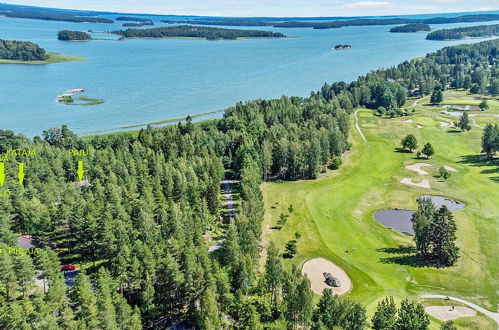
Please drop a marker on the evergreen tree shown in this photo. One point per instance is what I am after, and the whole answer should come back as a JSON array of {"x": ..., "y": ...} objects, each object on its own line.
[
  {"x": 86, "y": 302},
  {"x": 412, "y": 316},
  {"x": 490, "y": 139},
  {"x": 449, "y": 325},
  {"x": 442, "y": 232},
  {"x": 437, "y": 96},
  {"x": 464, "y": 123},
  {"x": 385, "y": 317}
]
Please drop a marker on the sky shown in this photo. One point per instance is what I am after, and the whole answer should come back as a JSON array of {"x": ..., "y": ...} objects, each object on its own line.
[{"x": 271, "y": 7}]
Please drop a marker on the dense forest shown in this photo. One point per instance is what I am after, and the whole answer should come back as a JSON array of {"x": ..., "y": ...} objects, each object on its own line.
[
  {"x": 133, "y": 19},
  {"x": 339, "y": 23},
  {"x": 68, "y": 35},
  {"x": 480, "y": 31},
  {"x": 49, "y": 14},
  {"x": 140, "y": 223},
  {"x": 410, "y": 28},
  {"x": 188, "y": 31},
  {"x": 21, "y": 51}
]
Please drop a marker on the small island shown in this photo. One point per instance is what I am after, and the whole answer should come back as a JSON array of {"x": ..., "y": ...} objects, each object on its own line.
[
  {"x": 67, "y": 35},
  {"x": 410, "y": 28},
  {"x": 196, "y": 32},
  {"x": 67, "y": 98},
  {"x": 341, "y": 47},
  {"x": 26, "y": 52},
  {"x": 479, "y": 31}
]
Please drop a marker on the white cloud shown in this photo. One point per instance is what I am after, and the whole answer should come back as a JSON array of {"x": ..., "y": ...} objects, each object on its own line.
[
  {"x": 369, "y": 5},
  {"x": 448, "y": 1}
]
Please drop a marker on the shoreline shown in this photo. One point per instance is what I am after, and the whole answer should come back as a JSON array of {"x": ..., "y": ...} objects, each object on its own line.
[{"x": 52, "y": 58}]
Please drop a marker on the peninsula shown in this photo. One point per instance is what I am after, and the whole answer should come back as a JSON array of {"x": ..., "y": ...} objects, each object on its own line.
[
  {"x": 479, "y": 31},
  {"x": 26, "y": 52},
  {"x": 409, "y": 28}
]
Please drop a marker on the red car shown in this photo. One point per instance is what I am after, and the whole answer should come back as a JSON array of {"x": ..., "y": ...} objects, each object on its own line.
[{"x": 65, "y": 268}]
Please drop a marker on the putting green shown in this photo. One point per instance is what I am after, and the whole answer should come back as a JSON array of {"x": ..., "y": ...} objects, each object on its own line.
[{"x": 335, "y": 213}]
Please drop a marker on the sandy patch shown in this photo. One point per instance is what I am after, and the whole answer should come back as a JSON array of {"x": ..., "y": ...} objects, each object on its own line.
[
  {"x": 450, "y": 168},
  {"x": 408, "y": 121},
  {"x": 315, "y": 269},
  {"x": 417, "y": 168},
  {"x": 420, "y": 126},
  {"x": 424, "y": 184},
  {"x": 446, "y": 313},
  {"x": 442, "y": 124}
]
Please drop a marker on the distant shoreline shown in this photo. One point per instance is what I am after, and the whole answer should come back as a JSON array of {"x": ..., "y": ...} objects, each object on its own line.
[{"x": 52, "y": 58}]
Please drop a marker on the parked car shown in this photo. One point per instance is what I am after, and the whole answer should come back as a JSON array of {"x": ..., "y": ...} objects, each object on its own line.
[{"x": 65, "y": 268}]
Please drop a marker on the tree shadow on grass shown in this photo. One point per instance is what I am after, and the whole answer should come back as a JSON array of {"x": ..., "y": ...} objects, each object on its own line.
[
  {"x": 480, "y": 161},
  {"x": 454, "y": 131},
  {"x": 402, "y": 150},
  {"x": 404, "y": 255}
]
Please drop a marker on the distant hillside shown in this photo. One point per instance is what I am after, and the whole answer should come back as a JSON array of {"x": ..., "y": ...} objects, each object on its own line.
[{"x": 50, "y": 14}]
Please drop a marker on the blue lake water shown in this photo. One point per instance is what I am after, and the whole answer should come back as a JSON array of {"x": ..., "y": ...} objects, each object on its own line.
[{"x": 144, "y": 80}]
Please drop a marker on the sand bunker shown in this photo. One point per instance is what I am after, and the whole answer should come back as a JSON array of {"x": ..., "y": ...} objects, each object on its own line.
[
  {"x": 408, "y": 121},
  {"x": 424, "y": 184},
  {"x": 315, "y": 269},
  {"x": 417, "y": 168},
  {"x": 447, "y": 313},
  {"x": 442, "y": 124},
  {"x": 420, "y": 126},
  {"x": 450, "y": 168}
]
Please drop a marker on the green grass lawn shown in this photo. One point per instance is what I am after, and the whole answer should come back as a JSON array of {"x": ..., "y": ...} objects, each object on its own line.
[
  {"x": 52, "y": 58},
  {"x": 335, "y": 212}
]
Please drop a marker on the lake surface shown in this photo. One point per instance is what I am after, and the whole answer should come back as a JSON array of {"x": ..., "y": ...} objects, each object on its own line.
[
  {"x": 144, "y": 80},
  {"x": 401, "y": 220}
]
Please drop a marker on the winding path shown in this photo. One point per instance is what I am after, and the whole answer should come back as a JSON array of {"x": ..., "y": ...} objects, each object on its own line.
[
  {"x": 492, "y": 315},
  {"x": 358, "y": 127}
]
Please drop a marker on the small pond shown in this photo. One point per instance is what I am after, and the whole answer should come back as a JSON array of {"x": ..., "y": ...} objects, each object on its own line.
[
  {"x": 461, "y": 107},
  {"x": 400, "y": 220},
  {"x": 455, "y": 113}
]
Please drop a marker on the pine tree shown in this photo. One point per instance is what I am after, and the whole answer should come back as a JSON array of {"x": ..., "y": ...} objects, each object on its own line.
[
  {"x": 385, "y": 317},
  {"x": 412, "y": 316},
  {"x": 107, "y": 311},
  {"x": 86, "y": 302},
  {"x": 442, "y": 232},
  {"x": 274, "y": 274},
  {"x": 464, "y": 123},
  {"x": 326, "y": 312},
  {"x": 437, "y": 96},
  {"x": 210, "y": 318},
  {"x": 421, "y": 220}
]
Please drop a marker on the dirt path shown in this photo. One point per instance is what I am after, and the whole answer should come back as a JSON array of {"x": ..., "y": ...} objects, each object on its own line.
[
  {"x": 416, "y": 103},
  {"x": 492, "y": 315},
  {"x": 229, "y": 202},
  {"x": 358, "y": 127}
]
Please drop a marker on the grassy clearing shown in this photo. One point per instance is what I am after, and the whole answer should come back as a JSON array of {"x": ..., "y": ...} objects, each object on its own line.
[
  {"x": 335, "y": 212},
  {"x": 52, "y": 58},
  {"x": 173, "y": 120}
]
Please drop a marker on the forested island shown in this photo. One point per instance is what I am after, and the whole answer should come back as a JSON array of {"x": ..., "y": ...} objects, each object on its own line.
[
  {"x": 137, "y": 226},
  {"x": 409, "y": 28},
  {"x": 480, "y": 31},
  {"x": 134, "y": 21},
  {"x": 188, "y": 31},
  {"x": 21, "y": 51},
  {"x": 49, "y": 14},
  {"x": 68, "y": 35},
  {"x": 338, "y": 23}
]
